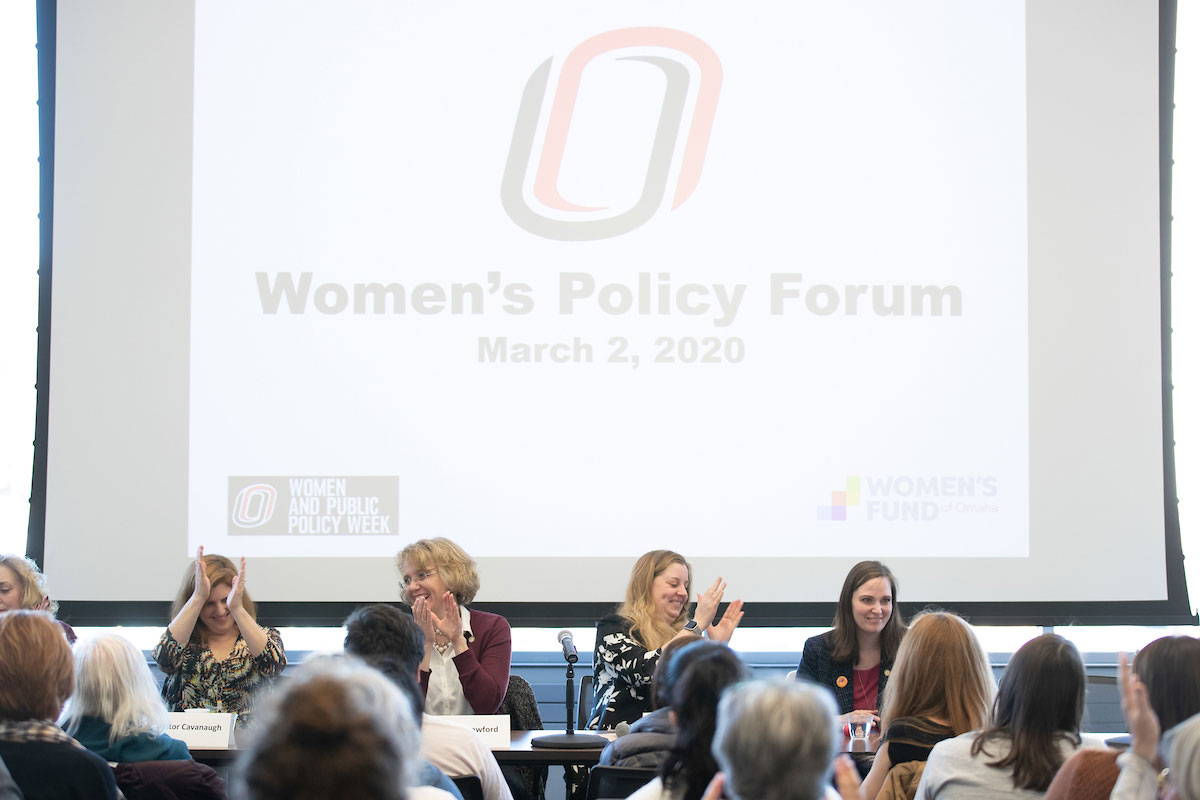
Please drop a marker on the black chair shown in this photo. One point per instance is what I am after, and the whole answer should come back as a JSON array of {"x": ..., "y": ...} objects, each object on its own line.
[
  {"x": 469, "y": 786},
  {"x": 617, "y": 783},
  {"x": 520, "y": 703},
  {"x": 584, "y": 708}
]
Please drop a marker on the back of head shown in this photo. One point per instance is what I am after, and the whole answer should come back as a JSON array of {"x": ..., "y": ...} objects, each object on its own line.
[
  {"x": 1170, "y": 668},
  {"x": 382, "y": 630},
  {"x": 776, "y": 740},
  {"x": 639, "y": 606},
  {"x": 1039, "y": 702},
  {"x": 663, "y": 681},
  {"x": 1182, "y": 745},
  {"x": 36, "y": 671},
  {"x": 336, "y": 729},
  {"x": 941, "y": 672},
  {"x": 113, "y": 683},
  {"x": 701, "y": 672}
]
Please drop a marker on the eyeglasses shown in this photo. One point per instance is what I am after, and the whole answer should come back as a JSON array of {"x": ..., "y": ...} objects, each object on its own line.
[{"x": 419, "y": 577}]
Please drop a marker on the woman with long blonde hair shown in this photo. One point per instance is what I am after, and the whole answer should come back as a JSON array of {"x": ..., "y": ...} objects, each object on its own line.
[
  {"x": 655, "y": 611},
  {"x": 941, "y": 686}
]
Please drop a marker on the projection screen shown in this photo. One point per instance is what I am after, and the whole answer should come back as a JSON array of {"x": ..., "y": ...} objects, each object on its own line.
[{"x": 780, "y": 287}]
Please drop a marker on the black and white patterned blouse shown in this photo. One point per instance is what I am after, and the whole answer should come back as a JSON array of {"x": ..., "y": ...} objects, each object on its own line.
[{"x": 624, "y": 669}]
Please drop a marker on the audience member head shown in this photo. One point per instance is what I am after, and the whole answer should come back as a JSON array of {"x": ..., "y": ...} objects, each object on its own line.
[
  {"x": 662, "y": 682},
  {"x": 941, "y": 672},
  {"x": 657, "y": 597},
  {"x": 1040, "y": 700},
  {"x": 776, "y": 740},
  {"x": 1181, "y": 745},
  {"x": 867, "y": 608},
  {"x": 221, "y": 572},
  {"x": 37, "y": 674},
  {"x": 443, "y": 559},
  {"x": 113, "y": 683},
  {"x": 382, "y": 630},
  {"x": 336, "y": 729},
  {"x": 404, "y": 678},
  {"x": 22, "y": 585},
  {"x": 700, "y": 672},
  {"x": 1170, "y": 668}
]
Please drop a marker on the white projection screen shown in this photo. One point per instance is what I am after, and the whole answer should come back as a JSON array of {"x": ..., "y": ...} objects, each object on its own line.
[{"x": 781, "y": 286}]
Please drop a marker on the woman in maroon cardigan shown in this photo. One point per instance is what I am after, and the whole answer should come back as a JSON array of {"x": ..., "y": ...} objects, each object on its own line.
[{"x": 467, "y": 653}]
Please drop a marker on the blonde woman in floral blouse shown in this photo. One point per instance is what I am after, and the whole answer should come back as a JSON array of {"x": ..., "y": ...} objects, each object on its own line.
[{"x": 214, "y": 653}]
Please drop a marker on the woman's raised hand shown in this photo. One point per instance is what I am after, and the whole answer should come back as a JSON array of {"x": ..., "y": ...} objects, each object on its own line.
[
  {"x": 845, "y": 776},
  {"x": 202, "y": 586},
  {"x": 234, "y": 599},
  {"x": 424, "y": 619},
  {"x": 1143, "y": 724},
  {"x": 450, "y": 623},
  {"x": 706, "y": 604},
  {"x": 723, "y": 630}
]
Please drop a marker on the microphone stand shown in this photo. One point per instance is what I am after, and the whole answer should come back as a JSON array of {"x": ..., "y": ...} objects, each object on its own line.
[{"x": 570, "y": 740}]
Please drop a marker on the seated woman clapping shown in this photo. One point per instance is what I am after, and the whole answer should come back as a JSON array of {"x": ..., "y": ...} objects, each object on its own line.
[
  {"x": 214, "y": 653},
  {"x": 1169, "y": 671},
  {"x": 116, "y": 711},
  {"x": 655, "y": 611},
  {"x": 941, "y": 687}
]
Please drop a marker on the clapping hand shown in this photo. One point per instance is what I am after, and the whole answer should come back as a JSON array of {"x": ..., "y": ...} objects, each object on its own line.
[
  {"x": 706, "y": 604},
  {"x": 845, "y": 775},
  {"x": 234, "y": 599},
  {"x": 723, "y": 630},
  {"x": 1140, "y": 718},
  {"x": 202, "y": 586},
  {"x": 450, "y": 623}
]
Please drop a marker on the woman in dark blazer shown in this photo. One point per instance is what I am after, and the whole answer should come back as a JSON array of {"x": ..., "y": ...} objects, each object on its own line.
[{"x": 855, "y": 659}]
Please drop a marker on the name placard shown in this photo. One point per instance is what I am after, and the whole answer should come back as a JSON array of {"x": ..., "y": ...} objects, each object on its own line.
[
  {"x": 494, "y": 729},
  {"x": 202, "y": 730}
]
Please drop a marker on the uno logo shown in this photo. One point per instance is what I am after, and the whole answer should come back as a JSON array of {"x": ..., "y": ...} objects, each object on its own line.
[
  {"x": 254, "y": 505},
  {"x": 665, "y": 145}
]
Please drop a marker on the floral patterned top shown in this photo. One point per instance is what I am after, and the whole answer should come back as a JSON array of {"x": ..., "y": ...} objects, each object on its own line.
[
  {"x": 195, "y": 679},
  {"x": 624, "y": 669}
]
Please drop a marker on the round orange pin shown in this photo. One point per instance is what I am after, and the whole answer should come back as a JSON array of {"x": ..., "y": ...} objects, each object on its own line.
[{"x": 841, "y": 681}]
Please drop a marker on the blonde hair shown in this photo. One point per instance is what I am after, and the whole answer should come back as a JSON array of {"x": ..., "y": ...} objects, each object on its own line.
[
  {"x": 639, "y": 608},
  {"x": 221, "y": 572},
  {"x": 30, "y": 581},
  {"x": 452, "y": 563},
  {"x": 112, "y": 682},
  {"x": 941, "y": 672}
]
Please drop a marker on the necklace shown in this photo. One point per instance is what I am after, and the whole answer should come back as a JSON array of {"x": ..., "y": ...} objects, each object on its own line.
[{"x": 441, "y": 647}]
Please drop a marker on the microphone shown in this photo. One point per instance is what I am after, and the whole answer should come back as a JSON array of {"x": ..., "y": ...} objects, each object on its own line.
[{"x": 567, "y": 640}]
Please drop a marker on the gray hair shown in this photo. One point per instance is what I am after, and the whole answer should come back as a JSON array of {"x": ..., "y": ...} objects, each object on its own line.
[
  {"x": 336, "y": 727},
  {"x": 1182, "y": 746},
  {"x": 776, "y": 740},
  {"x": 113, "y": 682}
]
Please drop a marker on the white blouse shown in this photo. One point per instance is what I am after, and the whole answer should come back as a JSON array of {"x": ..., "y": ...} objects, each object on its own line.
[{"x": 445, "y": 695}]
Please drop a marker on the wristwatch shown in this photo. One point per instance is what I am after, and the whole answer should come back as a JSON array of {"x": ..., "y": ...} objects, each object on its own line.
[{"x": 690, "y": 625}]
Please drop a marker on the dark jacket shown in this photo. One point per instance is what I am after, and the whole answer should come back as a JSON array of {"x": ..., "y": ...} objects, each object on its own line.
[
  {"x": 646, "y": 745},
  {"x": 816, "y": 666}
]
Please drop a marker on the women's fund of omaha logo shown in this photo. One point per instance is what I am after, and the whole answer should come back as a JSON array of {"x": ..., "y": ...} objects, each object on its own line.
[
  {"x": 310, "y": 505},
  {"x": 902, "y": 498},
  {"x": 572, "y": 222}
]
